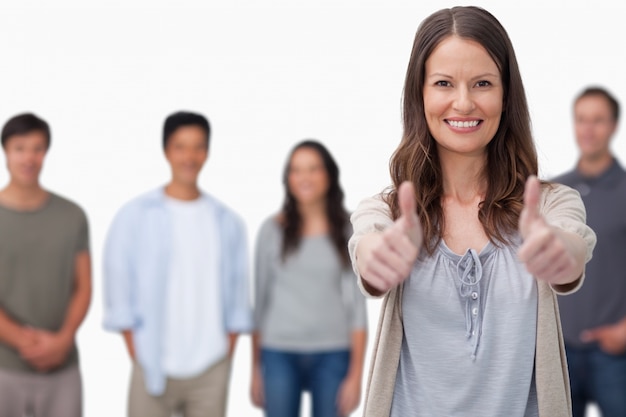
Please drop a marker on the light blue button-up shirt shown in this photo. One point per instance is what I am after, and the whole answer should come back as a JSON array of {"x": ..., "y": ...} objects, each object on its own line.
[{"x": 136, "y": 257}]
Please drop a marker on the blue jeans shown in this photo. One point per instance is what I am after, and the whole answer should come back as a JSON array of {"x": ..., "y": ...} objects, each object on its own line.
[
  {"x": 596, "y": 376},
  {"x": 286, "y": 375}
]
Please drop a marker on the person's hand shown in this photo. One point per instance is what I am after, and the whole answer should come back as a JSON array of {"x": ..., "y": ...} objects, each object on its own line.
[
  {"x": 544, "y": 251},
  {"x": 385, "y": 259},
  {"x": 611, "y": 338},
  {"x": 257, "y": 393},
  {"x": 348, "y": 396},
  {"x": 49, "y": 350},
  {"x": 27, "y": 338}
]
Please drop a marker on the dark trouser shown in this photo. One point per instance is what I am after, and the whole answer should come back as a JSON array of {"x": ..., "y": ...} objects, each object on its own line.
[
  {"x": 596, "y": 376},
  {"x": 58, "y": 394},
  {"x": 287, "y": 374}
]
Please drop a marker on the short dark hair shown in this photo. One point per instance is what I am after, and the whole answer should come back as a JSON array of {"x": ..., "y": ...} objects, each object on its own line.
[
  {"x": 23, "y": 124},
  {"x": 602, "y": 92},
  {"x": 182, "y": 118}
]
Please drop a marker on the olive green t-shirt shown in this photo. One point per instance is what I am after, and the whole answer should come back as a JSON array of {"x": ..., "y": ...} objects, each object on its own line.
[{"x": 37, "y": 257}]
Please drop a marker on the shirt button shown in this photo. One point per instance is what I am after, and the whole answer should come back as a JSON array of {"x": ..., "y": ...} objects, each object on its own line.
[
  {"x": 475, "y": 311},
  {"x": 474, "y": 295}
]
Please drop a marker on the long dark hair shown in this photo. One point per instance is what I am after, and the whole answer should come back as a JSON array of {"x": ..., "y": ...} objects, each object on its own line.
[
  {"x": 511, "y": 154},
  {"x": 338, "y": 217}
]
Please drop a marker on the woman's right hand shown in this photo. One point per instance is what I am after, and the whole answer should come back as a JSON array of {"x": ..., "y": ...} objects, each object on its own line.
[
  {"x": 385, "y": 259},
  {"x": 256, "y": 388}
]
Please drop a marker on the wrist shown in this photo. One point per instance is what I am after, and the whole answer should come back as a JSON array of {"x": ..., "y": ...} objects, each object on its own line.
[
  {"x": 369, "y": 288},
  {"x": 15, "y": 338},
  {"x": 66, "y": 336},
  {"x": 353, "y": 375}
]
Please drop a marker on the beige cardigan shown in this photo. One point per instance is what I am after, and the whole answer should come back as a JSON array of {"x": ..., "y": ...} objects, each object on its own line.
[{"x": 563, "y": 208}]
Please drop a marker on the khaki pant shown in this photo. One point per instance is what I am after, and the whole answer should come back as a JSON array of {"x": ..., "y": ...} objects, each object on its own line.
[
  {"x": 58, "y": 394},
  {"x": 201, "y": 396}
]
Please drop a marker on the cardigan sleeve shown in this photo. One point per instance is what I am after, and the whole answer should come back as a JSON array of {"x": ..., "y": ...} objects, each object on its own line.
[
  {"x": 372, "y": 215},
  {"x": 562, "y": 207}
]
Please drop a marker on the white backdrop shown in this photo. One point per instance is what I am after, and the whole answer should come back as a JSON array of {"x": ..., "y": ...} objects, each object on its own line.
[{"x": 267, "y": 74}]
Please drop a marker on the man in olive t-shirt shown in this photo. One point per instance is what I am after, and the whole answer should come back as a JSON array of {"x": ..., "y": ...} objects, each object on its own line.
[{"x": 45, "y": 282}]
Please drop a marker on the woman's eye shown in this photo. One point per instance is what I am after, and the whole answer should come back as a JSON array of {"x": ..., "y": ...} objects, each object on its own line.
[
  {"x": 483, "y": 83},
  {"x": 442, "y": 83}
]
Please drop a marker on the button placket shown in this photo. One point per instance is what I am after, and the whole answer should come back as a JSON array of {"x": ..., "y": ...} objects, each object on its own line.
[{"x": 469, "y": 273}]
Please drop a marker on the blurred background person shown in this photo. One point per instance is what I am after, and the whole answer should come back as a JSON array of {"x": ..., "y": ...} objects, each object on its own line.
[
  {"x": 176, "y": 284},
  {"x": 594, "y": 318},
  {"x": 310, "y": 316},
  {"x": 45, "y": 282}
]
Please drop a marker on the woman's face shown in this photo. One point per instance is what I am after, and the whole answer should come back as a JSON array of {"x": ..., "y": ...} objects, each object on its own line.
[
  {"x": 307, "y": 178},
  {"x": 463, "y": 96}
]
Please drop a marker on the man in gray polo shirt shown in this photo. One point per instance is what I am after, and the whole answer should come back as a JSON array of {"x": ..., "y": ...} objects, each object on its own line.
[{"x": 594, "y": 318}]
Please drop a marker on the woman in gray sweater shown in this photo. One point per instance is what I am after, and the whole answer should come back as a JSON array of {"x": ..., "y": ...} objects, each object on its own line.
[{"x": 310, "y": 316}]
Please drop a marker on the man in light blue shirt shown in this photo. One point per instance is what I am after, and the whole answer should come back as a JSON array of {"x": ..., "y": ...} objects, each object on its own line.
[{"x": 176, "y": 284}]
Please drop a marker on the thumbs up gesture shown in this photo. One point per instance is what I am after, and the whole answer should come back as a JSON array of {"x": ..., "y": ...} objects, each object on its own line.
[
  {"x": 385, "y": 259},
  {"x": 545, "y": 251}
]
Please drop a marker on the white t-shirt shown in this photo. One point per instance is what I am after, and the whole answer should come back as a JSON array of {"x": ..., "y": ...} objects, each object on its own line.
[{"x": 194, "y": 336}]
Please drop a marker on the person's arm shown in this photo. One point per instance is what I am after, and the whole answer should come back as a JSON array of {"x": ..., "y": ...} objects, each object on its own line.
[
  {"x": 79, "y": 304},
  {"x": 349, "y": 393},
  {"x": 257, "y": 393},
  {"x": 51, "y": 348},
  {"x": 383, "y": 259},
  {"x": 232, "y": 344},
  {"x": 12, "y": 334},
  {"x": 557, "y": 242},
  {"x": 129, "y": 342},
  {"x": 371, "y": 218},
  {"x": 237, "y": 303},
  {"x": 266, "y": 240},
  {"x": 118, "y": 279}
]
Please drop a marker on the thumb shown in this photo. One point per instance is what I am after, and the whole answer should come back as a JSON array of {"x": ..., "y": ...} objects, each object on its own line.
[
  {"x": 408, "y": 211},
  {"x": 406, "y": 201},
  {"x": 532, "y": 193}
]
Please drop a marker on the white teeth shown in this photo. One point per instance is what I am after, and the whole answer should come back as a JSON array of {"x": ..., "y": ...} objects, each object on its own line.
[{"x": 455, "y": 123}]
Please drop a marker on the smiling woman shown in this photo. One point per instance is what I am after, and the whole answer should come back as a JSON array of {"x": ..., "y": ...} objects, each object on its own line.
[{"x": 468, "y": 247}]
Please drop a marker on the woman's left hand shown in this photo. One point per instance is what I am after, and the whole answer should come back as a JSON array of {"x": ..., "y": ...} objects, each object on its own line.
[
  {"x": 546, "y": 252},
  {"x": 349, "y": 395}
]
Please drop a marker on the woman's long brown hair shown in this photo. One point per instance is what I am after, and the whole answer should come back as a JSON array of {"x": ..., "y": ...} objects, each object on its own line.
[
  {"x": 338, "y": 217},
  {"x": 511, "y": 154}
]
